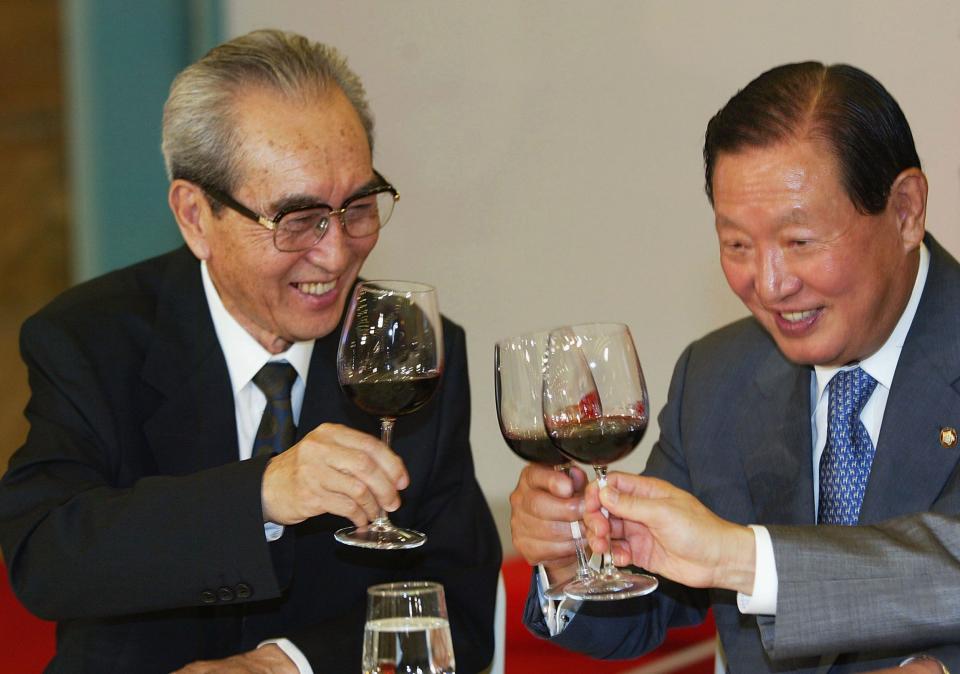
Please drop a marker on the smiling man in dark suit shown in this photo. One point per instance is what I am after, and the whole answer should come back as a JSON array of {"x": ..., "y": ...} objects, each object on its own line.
[
  {"x": 824, "y": 407},
  {"x": 137, "y": 514}
]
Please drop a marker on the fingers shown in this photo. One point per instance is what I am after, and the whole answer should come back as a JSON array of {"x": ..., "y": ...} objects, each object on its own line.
[
  {"x": 640, "y": 485},
  {"x": 633, "y": 497},
  {"x": 542, "y": 507},
  {"x": 334, "y": 469},
  {"x": 578, "y": 477}
]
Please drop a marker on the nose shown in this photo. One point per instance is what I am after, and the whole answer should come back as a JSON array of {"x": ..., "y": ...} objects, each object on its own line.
[
  {"x": 331, "y": 252},
  {"x": 774, "y": 280}
]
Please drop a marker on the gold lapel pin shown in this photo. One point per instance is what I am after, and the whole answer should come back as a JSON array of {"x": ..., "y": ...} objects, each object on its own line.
[{"x": 948, "y": 437}]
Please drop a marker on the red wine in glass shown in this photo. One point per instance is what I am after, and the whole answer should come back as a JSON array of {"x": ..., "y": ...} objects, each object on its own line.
[
  {"x": 599, "y": 441},
  {"x": 595, "y": 411},
  {"x": 390, "y": 397},
  {"x": 534, "y": 447}
]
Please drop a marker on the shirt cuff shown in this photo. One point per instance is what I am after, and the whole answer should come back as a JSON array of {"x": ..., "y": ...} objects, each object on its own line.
[
  {"x": 272, "y": 531},
  {"x": 556, "y": 614},
  {"x": 292, "y": 652},
  {"x": 763, "y": 601}
]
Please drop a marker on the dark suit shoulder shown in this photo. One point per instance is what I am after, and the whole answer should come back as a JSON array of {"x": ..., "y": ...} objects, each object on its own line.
[
  {"x": 735, "y": 347},
  {"x": 132, "y": 289},
  {"x": 125, "y": 300}
]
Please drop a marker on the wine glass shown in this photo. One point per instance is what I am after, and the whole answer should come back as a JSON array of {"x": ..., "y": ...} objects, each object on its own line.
[
  {"x": 407, "y": 630},
  {"x": 518, "y": 383},
  {"x": 389, "y": 363},
  {"x": 595, "y": 409}
]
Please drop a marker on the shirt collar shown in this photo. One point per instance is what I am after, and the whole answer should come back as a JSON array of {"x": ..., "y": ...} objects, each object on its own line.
[
  {"x": 882, "y": 364},
  {"x": 244, "y": 355}
]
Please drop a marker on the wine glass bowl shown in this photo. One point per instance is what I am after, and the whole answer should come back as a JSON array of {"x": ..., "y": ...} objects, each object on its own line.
[
  {"x": 595, "y": 410},
  {"x": 518, "y": 389},
  {"x": 389, "y": 363},
  {"x": 518, "y": 385}
]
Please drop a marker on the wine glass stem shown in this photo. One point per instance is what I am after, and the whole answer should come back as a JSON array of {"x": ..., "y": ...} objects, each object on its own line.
[
  {"x": 386, "y": 436},
  {"x": 608, "y": 568},
  {"x": 583, "y": 567}
]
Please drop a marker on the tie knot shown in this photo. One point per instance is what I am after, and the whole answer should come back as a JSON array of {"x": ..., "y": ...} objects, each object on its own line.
[
  {"x": 275, "y": 380},
  {"x": 850, "y": 390}
]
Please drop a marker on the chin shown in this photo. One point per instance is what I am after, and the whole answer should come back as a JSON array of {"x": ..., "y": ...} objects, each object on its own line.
[{"x": 803, "y": 354}]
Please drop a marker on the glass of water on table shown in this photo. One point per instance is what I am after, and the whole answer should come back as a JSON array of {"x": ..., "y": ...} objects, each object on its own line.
[{"x": 407, "y": 630}]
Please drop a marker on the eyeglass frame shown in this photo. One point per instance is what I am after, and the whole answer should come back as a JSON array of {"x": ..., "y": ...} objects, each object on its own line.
[{"x": 272, "y": 223}]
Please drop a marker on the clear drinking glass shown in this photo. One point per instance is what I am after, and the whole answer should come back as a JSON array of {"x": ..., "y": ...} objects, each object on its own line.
[
  {"x": 389, "y": 364},
  {"x": 518, "y": 384},
  {"x": 595, "y": 409},
  {"x": 407, "y": 630}
]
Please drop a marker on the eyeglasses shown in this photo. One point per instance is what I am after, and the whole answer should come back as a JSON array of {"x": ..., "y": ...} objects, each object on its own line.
[{"x": 301, "y": 227}]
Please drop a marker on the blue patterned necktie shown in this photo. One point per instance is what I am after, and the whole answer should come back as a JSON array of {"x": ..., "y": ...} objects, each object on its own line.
[
  {"x": 277, "y": 431},
  {"x": 848, "y": 454}
]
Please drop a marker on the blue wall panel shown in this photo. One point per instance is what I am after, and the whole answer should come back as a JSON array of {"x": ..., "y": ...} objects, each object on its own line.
[{"x": 121, "y": 58}]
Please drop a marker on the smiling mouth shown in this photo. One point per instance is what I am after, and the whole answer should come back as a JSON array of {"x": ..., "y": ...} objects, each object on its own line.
[
  {"x": 797, "y": 316},
  {"x": 315, "y": 288}
]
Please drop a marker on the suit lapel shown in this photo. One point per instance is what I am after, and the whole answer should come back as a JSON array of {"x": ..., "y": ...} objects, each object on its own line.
[
  {"x": 911, "y": 466},
  {"x": 194, "y": 425},
  {"x": 777, "y": 448}
]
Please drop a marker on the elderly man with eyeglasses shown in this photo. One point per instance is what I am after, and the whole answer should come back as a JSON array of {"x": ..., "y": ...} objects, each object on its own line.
[{"x": 135, "y": 514}]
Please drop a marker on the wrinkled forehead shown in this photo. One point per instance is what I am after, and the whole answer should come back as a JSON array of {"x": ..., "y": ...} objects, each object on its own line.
[{"x": 276, "y": 133}]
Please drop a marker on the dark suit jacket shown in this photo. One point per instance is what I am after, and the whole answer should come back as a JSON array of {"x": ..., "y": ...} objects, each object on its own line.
[
  {"x": 736, "y": 432},
  {"x": 127, "y": 517}
]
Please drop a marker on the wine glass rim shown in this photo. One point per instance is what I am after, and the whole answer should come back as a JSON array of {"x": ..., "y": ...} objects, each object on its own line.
[
  {"x": 594, "y": 325},
  {"x": 532, "y": 334},
  {"x": 404, "y": 588},
  {"x": 396, "y": 286}
]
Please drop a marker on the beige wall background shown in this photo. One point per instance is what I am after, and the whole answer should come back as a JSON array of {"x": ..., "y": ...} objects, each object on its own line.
[{"x": 549, "y": 153}]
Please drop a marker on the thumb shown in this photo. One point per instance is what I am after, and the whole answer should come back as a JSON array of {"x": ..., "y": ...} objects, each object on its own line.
[
  {"x": 641, "y": 485},
  {"x": 625, "y": 505}
]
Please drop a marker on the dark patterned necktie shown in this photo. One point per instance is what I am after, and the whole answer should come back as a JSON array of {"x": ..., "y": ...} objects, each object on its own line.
[
  {"x": 277, "y": 430},
  {"x": 848, "y": 454}
]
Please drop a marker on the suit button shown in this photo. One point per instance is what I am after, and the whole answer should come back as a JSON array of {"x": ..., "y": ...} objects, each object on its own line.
[
  {"x": 244, "y": 591},
  {"x": 225, "y": 594},
  {"x": 208, "y": 597}
]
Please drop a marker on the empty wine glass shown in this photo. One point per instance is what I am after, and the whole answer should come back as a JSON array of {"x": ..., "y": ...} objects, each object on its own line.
[
  {"x": 407, "y": 630},
  {"x": 389, "y": 364},
  {"x": 518, "y": 383},
  {"x": 595, "y": 411}
]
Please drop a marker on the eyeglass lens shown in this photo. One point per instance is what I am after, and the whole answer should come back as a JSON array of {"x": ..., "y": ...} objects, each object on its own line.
[{"x": 299, "y": 230}]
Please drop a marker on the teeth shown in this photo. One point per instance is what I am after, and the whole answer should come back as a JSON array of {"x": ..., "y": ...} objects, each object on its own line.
[
  {"x": 794, "y": 316},
  {"x": 316, "y": 288}
]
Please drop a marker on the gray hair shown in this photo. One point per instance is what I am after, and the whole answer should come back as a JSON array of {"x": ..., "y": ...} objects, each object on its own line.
[{"x": 199, "y": 136}]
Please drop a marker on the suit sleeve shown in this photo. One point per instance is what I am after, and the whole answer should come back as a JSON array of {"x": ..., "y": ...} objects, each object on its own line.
[
  {"x": 78, "y": 543},
  {"x": 462, "y": 551},
  {"x": 886, "y": 586},
  {"x": 629, "y": 628}
]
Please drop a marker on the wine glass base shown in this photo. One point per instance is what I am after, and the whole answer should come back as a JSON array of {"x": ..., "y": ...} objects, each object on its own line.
[
  {"x": 607, "y": 588},
  {"x": 557, "y": 591},
  {"x": 381, "y": 537}
]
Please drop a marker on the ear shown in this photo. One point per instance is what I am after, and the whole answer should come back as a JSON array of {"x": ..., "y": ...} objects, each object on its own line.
[
  {"x": 908, "y": 204},
  {"x": 193, "y": 214}
]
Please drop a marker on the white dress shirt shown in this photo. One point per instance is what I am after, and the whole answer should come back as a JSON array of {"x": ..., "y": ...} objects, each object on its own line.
[{"x": 245, "y": 356}]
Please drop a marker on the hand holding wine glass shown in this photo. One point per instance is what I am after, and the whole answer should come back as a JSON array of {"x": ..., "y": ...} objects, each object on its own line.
[
  {"x": 595, "y": 411},
  {"x": 518, "y": 384},
  {"x": 389, "y": 363}
]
